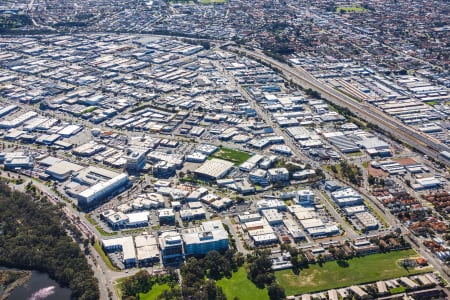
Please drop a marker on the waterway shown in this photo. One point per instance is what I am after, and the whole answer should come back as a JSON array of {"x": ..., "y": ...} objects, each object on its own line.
[{"x": 40, "y": 287}]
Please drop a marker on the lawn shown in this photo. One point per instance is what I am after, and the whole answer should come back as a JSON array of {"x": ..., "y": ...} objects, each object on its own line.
[
  {"x": 153, "y": 294},
  {"x": 397, "y": 290},
  {"x": 350, "y": 9},
  {"x": 360, "y": 270},
  {"x": 235, "y": 156},
  {"x": 240, "y": 286}
]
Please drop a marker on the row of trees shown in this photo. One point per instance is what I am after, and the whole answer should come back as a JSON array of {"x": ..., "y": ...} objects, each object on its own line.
[{"x": 33, "y": 238}]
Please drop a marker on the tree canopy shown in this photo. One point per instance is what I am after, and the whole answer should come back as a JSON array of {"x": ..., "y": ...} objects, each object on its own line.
[{"x": 32, "y": 237}]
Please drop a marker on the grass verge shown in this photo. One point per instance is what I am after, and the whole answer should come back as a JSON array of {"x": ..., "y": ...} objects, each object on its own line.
[
  {"x": 103, "y": 255},
  {"x": 105, "y": 233}
]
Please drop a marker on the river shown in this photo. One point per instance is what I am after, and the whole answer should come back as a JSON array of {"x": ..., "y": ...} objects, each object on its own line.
[{"x": 40, "y": 287}]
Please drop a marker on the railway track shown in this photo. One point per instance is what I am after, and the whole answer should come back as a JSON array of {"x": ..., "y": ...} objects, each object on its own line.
[{"x": 421, "y": 142}]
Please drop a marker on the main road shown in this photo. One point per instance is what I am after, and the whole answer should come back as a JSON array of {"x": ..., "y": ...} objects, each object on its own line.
[{"x": 421, "y": 142}]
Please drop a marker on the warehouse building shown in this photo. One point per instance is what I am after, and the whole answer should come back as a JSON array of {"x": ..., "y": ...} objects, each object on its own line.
[
  {"x": 342, "y": 142},
  {"x": 214, "y": 169},
  {"x": 62, "y": 170},
  {"x": 367, "y": 221}
]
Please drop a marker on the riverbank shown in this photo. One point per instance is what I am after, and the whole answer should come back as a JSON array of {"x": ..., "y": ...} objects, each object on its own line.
[{"x": 10, "y": 279}]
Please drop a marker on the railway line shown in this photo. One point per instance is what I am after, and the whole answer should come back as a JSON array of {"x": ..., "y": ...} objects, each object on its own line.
[{"x": 421, "y": 142}]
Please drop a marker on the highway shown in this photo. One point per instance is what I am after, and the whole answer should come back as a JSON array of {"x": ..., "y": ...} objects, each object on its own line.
[{"x": 421, "y": 142}]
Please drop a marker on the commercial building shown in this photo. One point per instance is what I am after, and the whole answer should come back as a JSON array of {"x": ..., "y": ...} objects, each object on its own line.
[
  {"x": 102, "y": 190},
  {"x": 70, "y": 130},
  {"x": 375, "y": 146},
  {"x": 346, "y": 197},
  {"x": 247, "y": 217},
  {"x": 193, "y": 214},
  {"x": 270, "y": 203},
  {"x": 272, "y": 216},
  {"x": 305, "y": 197},
  {"x": 351, "y": 210},
  {"x": 147, "y": 251},
  {"x": 23, "y": 162},
  {"x": 171, "y": 246},
  {"x": 136, "y": 159},
  {"x": 164, "y": 169},
  {"x": 278, "y": 175},
  {"x": 139, "y": 251},
  {"x": 124, "y": 244},
  {"x": 93, "y": 175},
  {"x": 259, "y": 177},
  {"x": 207, "y": 237},
  {"x": 166, "y": 216}
]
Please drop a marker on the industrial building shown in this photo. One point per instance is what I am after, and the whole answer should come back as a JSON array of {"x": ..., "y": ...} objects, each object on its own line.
[
  {"x": 62, "y": 170},
  {"x": 366, "y": 220},
  {"x": 214, "y": 169}
]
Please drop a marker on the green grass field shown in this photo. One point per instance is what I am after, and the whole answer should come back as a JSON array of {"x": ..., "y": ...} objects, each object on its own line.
[
  {"x": 153, "y": 294},
  {"x": 360, "y": 270},
  {"x": 235, "y": 156},
  {"x": 240, "y": 286},
  {"x": 350, "y": 9}
]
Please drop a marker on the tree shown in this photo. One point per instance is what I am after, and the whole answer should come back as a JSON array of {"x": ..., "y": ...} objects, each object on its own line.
[
  {"x": 39, "y": 241},
  {"x": 276, "y": 292}
]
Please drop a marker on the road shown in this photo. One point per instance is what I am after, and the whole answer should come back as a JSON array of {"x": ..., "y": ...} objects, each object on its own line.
[
  {"x": 105, "y": 275},
  {"x": 368, "y": 113},
  {"x": 397, "y": 129},
  {"x": 351, "y": 234},
  {"x": 239, "y": 245}
]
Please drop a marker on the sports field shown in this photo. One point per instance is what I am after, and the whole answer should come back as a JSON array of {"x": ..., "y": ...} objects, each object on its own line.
[
  {"x": 235, "y": 156},
  {"x": 350, "y": 9},
  {"x": 360, "y": 270}
]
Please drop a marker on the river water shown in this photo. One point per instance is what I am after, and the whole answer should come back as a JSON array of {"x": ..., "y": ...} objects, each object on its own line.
[{"x": 40, "y": 287}]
